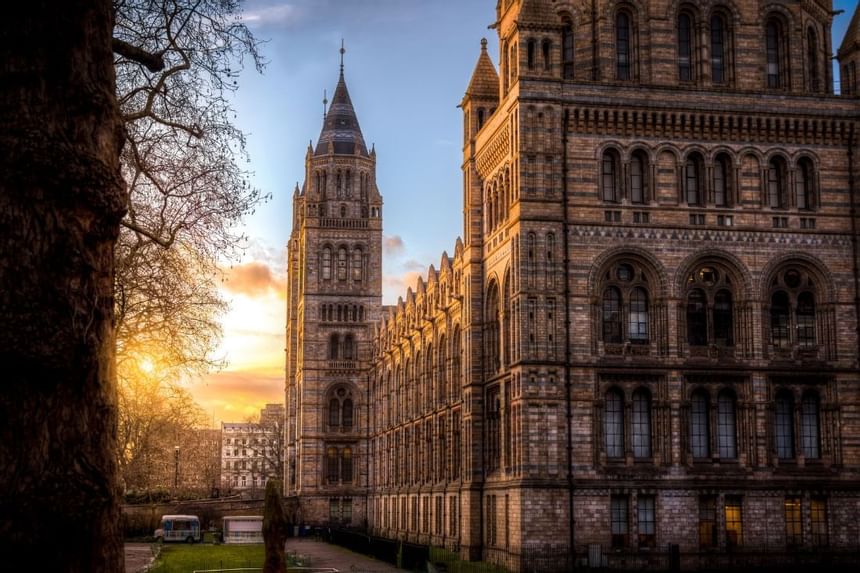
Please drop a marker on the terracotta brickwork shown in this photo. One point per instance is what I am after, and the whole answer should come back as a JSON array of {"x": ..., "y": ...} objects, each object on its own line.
[
  {"x": 647, "y": 335},
  {"x": 334, "y": 296}
]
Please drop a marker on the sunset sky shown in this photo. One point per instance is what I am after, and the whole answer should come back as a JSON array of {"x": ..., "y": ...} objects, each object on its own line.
[{"x": 408, "y": 63}]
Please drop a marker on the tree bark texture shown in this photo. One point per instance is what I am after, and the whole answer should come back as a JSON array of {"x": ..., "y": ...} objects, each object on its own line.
[{"x": 61, "y": 201}]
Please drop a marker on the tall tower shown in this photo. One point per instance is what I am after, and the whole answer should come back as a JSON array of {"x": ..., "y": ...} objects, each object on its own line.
[{"x": 334, "y": 295}]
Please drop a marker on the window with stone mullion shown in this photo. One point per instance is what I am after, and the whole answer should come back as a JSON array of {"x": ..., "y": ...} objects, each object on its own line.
[
  {"x": 614, "y": 424},
  {"x": 809, "y": 426},
  {"x": 641, "y": 424},
  {"x": 784, "y": 426},
  {"x": 726, "y": 425},
  {"x": 699, "y": 425}
]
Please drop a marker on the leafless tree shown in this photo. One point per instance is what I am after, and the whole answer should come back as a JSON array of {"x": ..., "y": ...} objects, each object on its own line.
[{"x": 177, "y": 61}]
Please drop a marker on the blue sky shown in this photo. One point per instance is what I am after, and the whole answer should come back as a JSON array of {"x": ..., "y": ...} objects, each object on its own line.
[{"x": 408, "y": 63}]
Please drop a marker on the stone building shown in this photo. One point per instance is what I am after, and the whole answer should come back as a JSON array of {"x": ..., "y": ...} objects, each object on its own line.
[
  {"x": 334, "y": 296},
  {"x": 252, "y": 453},
  {"x": 648, "y": 334}
]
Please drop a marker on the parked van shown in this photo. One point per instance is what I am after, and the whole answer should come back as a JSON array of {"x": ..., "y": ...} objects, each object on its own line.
[
  {"x": 179, "y": 528},
  {"x": 243, "y": 529}
]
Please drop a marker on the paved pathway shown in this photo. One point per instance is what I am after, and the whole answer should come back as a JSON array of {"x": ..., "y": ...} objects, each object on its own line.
[
  {"x": 327, "y": 555},
  {"x": 137, "y": 556}
]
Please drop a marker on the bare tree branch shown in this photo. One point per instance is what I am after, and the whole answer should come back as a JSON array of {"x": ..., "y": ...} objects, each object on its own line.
[{"x": 153, "y": 62}]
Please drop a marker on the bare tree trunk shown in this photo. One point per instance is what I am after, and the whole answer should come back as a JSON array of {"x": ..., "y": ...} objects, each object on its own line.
[{"x": 61, "y": 200}]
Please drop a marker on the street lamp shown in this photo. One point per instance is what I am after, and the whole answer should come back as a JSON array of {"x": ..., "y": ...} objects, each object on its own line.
[{"x": 175, "y": 469}]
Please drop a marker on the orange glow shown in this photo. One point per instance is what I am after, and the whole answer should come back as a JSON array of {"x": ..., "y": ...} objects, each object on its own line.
[{"x": 252, "y": 344}]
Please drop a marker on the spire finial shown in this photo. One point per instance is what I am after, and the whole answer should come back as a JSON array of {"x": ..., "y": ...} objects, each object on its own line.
[
  {"x": 483, "y": 44},
  {"x": 342, "y": 52},
  {"x": 325, "y": 104}
]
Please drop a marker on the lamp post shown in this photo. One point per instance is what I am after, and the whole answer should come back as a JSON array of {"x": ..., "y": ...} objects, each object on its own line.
[{"x": 175, "y": 469}]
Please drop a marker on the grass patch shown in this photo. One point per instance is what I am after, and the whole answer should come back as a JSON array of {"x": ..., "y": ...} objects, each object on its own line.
[
  {"x": 453, "y": 563},
  {"x": 181, "y": 558}
]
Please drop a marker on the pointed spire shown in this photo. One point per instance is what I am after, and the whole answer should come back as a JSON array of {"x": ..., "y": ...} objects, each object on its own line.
[
  {"x": 485, "y": 80},
  {"x": 341, "y": 132}
]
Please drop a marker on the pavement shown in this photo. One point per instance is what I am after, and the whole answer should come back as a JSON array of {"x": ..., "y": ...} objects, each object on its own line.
[
  {"x": 323, "y": 554},
  {"x": 138, "y": 556}
]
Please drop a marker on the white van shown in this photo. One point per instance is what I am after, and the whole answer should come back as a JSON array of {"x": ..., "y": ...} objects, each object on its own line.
[
  {"x": 179, "y": 528},
  {"x": 243, "y": 529}
]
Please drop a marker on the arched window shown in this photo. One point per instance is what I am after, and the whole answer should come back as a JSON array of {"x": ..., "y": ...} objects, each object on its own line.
[
  {"x": 326, "y": 263},
  {"x": 546, "y": 46},
  {"x": 776, "y": 178},
  {"x": 456, "y": 361},
  {"x": 779, "y": 319},
  {"x": 697, "y": 318},
  {"x": 492, "y": 332},
  {"x": 612, "y": 315},
  {"x": 346, "y": 465},
  {"x": 638, "y": 178},
  {"x": 803, "y": 184},
  {"x": 530, "y": 54},
  {"x": 614, "y": 424},
  {"x": 641, "y": 424},
  {"x": 722, "y": 181},
  {"x": 346, "y": 414},
  {"x": 810, "y": 434},
  {"x": 776, "y": 52},
  {"x": 334, "y": 347},
  {"x": 693, "y": 180},
  {"x": 700, "y": 436},
  {"x": 348, "y": 350},
  {"x": 784, "y": 425},
  {"x": 638, "y": 317},
  {"x": 334, "y": 412},
  {"x": 793, "y": 310},
  {"x": 567, "y": 50},
  {"x": 357, "y": 264},
  {"x": 723, "y": 319},
  {"x": 726, "y": 432},
  {"x": 806, "y": 320},
  {"x": 610, "y": 168},
  {"x": 625, "y": 305},
  {"x": 812, "y": 60},
  {"x": 341, "y": 264},
  {"x": 718, "y": 49},
  {"x": 331, "y": 465},
  {"x": 685, "y": 47},
  {"x": 623, "y": 46}
]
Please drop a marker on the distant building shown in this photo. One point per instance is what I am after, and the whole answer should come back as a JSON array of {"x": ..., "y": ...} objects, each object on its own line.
[{"x": 252, "y": 452}]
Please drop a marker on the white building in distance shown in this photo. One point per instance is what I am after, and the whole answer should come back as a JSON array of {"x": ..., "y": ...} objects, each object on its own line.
[{"x": 252, "y": 452}]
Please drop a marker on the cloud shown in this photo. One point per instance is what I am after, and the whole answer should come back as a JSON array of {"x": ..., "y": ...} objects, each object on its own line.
[
  {"x": 233, "y": 396},
  {"x": 254, "y": 279},
  {"x": 272, "y": 15},
  {"x": 415, "y": 266},
  {"x": 393, "y": 245},
  {"x": 399, "y": 283}
]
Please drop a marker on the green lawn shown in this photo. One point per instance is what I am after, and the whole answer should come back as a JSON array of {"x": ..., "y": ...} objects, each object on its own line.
[{"x": 182, "y": 558}]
